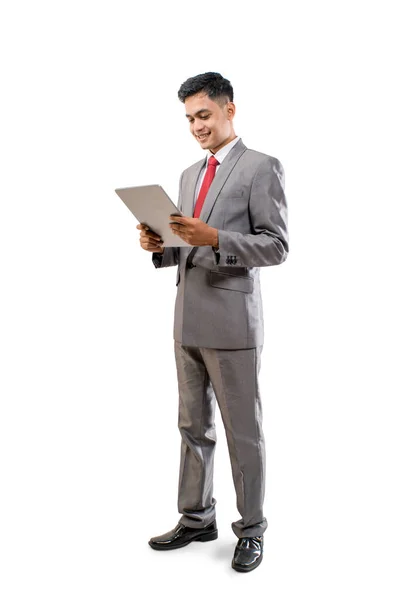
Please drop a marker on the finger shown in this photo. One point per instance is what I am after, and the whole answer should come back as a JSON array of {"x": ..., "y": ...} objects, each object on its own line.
[
  {"x": 152, "y": 246},
  {"x": 149, "y": 235},
  {"x": 178, "y": 226},
  {"x": 146, "y": 241}
]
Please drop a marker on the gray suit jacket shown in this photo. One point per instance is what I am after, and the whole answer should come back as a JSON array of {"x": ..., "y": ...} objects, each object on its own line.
[{"x": 218, "y": 302}]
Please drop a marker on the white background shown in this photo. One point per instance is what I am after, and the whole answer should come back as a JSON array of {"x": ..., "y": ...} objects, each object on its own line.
[{"x": 89, "y": 438}]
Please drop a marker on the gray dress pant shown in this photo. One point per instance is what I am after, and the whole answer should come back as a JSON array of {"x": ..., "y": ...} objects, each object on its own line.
[{"x": 230, "y": 376}]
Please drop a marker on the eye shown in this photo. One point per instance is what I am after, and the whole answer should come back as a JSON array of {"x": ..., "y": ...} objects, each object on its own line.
[{"x": 205, "y": 117}]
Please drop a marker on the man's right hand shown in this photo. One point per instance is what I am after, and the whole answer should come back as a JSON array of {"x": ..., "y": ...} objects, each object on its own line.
[{"x": 149, "y": 240}]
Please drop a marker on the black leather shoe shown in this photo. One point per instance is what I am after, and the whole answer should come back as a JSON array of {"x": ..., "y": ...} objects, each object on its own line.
[
  {"x": 248, "y": 554},
  {"x": 182, "y": 536}
]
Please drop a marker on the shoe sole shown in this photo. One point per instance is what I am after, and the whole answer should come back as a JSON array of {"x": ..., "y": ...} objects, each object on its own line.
[
  {"x": 205, "y": 537},
  {"x": 248, "y": 569}
]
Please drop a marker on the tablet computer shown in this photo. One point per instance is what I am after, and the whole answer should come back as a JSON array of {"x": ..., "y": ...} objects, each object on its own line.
[{"x": 151, "y": 205}]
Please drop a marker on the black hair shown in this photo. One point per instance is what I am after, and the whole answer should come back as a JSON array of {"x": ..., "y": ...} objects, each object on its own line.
[{"x": 213, "y": 84}]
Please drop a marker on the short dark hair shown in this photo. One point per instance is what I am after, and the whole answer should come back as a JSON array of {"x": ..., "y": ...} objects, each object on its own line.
[{"x": 213, "y": 84}]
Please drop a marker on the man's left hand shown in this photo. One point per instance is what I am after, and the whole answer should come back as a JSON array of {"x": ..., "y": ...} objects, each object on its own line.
[{"x": 194, "y": 231}]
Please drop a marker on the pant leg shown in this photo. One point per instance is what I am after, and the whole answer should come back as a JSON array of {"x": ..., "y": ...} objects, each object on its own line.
[
  {"x": 234, "y": 377},
  {"x": 197, "y": 428}
]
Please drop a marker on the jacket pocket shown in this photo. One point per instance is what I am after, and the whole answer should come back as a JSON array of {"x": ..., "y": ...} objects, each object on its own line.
[{"x": 236, "y": 283}]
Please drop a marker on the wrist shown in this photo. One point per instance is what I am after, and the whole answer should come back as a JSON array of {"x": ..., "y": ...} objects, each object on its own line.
[{"x": 214, "y": 239}]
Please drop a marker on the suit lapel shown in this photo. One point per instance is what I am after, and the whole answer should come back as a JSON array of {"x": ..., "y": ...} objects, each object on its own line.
[
  {"x": 190, "y": 189},
  {"x": 188, "y": 194},
  {"x": 220, "y": 178}
]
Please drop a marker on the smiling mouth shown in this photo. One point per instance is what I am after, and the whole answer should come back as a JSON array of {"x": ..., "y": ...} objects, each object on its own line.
[{"x": 202, "y": 137}]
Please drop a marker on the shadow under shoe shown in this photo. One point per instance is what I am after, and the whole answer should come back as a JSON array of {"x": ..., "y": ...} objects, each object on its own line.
[{"x": 182, "y": 536}]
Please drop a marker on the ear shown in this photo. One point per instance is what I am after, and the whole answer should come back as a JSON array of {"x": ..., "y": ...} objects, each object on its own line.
[{"x": 230, "y": 110}]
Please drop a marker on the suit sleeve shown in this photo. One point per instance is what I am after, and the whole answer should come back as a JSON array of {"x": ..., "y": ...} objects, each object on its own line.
[
  {"x": 170, "y": 256},
  {"x": 268, "y": 244}
]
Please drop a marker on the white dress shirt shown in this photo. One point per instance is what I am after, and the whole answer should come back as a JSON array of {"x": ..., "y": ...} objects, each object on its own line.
[{"x": 220, "y": 156}]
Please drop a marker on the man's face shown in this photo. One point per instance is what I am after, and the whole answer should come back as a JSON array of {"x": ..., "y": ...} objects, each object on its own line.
[{"x": 210, "y": 123}]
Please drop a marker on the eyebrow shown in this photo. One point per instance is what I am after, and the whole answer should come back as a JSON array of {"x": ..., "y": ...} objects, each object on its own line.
[{"x": 200, "y": 111}]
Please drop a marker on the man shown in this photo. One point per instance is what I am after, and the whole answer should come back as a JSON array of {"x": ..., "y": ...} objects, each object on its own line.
[{"x": 236, "y": 222}]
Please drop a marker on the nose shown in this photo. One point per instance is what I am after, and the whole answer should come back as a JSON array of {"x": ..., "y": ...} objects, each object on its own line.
[{"x": 198, "y": 126}]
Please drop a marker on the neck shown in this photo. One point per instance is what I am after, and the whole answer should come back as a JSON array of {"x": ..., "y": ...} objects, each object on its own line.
[{"x": 227, "y": 141}]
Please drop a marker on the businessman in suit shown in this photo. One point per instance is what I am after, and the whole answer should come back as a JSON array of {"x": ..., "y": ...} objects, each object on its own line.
[{"x": 235, "y": 222}]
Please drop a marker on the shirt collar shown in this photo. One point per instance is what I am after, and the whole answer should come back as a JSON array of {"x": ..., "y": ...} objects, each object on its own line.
[{"x": 223, "y": 153}]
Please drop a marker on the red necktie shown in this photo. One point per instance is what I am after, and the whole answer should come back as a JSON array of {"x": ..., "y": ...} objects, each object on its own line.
[{"x": 208, "y": 177}]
